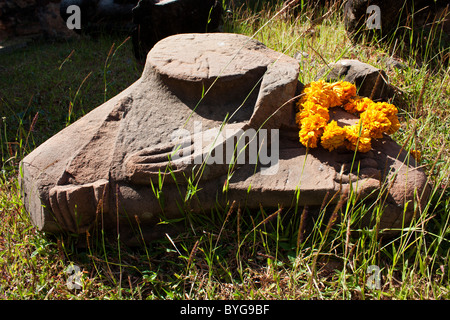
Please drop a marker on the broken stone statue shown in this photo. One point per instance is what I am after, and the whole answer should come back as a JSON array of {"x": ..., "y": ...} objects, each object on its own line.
[{"x": 139, "y": 156}]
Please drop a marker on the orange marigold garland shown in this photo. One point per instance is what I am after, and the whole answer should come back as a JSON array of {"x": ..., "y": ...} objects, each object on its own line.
[{"x": 313, "y": 117}]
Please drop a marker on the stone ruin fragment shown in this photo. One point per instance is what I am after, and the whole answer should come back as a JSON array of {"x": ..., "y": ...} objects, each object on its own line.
[{"x": 133, "y": 159}]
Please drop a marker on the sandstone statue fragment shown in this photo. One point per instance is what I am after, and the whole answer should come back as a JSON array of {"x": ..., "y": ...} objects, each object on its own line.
[{"x": 135, "y": 158}]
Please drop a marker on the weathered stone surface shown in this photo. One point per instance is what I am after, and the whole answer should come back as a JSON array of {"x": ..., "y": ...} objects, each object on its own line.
[
  {"x": 112, "y": 165},
  {"x": 370, "y": 81}
]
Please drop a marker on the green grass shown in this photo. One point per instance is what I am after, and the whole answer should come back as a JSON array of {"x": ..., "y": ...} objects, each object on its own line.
[{"x": 233, "y": 253}]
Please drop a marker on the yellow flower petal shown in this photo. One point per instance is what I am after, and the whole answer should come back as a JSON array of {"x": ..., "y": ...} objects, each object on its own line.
[
  {"x": 344, "y": 90},
  {"x": 321, "y": 93},
  {"x": 309, "y": 138},
  {"x": 375, "y": 122},
  {"x": 395, "y": 125},
  {"x": 357, "y": 104},
  {"x": 333, "y": 136},
  {"x": 310, "y": 108},
  {"x": 355, "y": 138}
]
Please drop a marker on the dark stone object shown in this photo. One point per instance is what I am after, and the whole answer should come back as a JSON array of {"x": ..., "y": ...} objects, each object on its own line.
[
  {"x": 98, "y": 16},
  {"x": 427, "y": 21},
  {"x": 156, "y": 20},
  {"x": 31, "y": 19}
]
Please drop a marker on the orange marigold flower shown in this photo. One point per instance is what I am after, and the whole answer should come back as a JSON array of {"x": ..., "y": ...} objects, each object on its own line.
[
  {"x": 395, "y": 125},
  {"x": 357, "y": 104},
  {"x": 311, "y": 129},
  {"x": 309, "y": 138},
  {"x": 355, "y": 138},
  {"x": 333, "y": 136},
  {"x": 345, "y": 90},
  {"x": 310, "y": 108},
  {"x": 391, "y": 113},
  {"x": 314, "y": 122},
  {"x": 350, "y": 106},
  {"x": 375, "y": 122},
  {"x": 321, "y": 93},
  {"x": 387, "y": 108}
]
